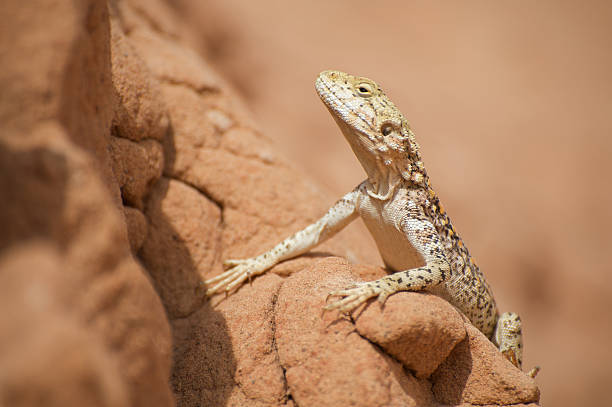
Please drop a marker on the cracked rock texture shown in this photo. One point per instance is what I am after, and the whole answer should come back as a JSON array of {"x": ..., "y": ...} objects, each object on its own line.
[{"x": 129, "y": 169}]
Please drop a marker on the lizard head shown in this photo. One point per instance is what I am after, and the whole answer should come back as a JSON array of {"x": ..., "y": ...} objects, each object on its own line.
[{"x": 374, "y": 127}]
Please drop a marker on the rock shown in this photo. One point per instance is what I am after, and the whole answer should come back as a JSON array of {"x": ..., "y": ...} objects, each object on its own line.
[
  {"x": 85, "y": 327},
  {"x": 47, "y": 356},
  {"x": 182, "y": 243},
  {"x": 139, "y": 109},
  {"x": 419, "y": 330},
  {"x": 251, "y": 324},
  {"x": 136, "y": 167},
  {"x": 326, "y": 361},
  {"x": 185, "y": 68},
  {"x": 228, "y": 355},
  {"x": 137, "y": 225},
  {"x": 477, "y": 373}
]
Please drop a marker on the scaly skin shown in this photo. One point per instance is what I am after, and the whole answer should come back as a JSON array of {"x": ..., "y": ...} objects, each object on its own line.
[{"x": 402, "y": 212}]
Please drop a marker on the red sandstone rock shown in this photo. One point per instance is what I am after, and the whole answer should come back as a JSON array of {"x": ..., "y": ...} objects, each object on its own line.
[
  {"x": 182, "y": 242},
  {"x": 84, "y": 325},
  {"x": 326, "y": 361},
  {"x": 136, "y": 225},
  {"x": 136, "y": 165},
  {"x": 139, "y": 109},
  {"x": 419, "y": 330},
  {"x": 477, "y": 373},
  {"x": 46, "y": 355}
]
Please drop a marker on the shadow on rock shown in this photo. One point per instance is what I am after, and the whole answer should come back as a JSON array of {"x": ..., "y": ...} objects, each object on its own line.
[
  {"x": 450, "y": 380},
  {"x": 182, "y": 243}
]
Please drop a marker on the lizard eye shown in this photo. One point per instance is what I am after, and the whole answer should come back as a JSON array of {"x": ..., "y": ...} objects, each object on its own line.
[
  {"x": 386, "y": 129},
  {"x": 364, "y": 89}
]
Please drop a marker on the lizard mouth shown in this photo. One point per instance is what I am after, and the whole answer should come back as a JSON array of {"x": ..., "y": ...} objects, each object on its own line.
[
  {"x": 326, "y": 94},
  {"x": 342, "y": 101}
]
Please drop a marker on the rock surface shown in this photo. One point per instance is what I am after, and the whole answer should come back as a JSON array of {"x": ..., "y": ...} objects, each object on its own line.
[
  {"x": 475, "y": 365},
  {"x": 326, "y": 361},
  {"x": 128, "y": 170},
  {"x": 82, "y": 324},
  {"x": 420, "y": 330}
]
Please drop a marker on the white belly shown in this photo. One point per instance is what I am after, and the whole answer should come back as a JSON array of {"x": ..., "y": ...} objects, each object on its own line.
[{"x": 382, "y": 220}]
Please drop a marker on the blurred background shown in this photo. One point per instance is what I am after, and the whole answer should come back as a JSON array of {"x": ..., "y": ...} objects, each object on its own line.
[{"x": 511, "y": 103}]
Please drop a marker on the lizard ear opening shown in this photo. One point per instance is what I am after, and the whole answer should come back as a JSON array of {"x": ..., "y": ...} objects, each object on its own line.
[
  {"x": 392, "y": 137},
  {"x": 386, "y": 129}
]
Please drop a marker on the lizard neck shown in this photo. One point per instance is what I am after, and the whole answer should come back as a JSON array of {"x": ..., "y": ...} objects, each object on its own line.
[
  {"x": 383, "y": 177},
  {"x": 385, "y": 166},
  {"x": 382, "y": 181}
]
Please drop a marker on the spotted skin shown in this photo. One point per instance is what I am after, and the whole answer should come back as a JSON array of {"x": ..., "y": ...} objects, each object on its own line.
[{"x": 402, "y": 212}]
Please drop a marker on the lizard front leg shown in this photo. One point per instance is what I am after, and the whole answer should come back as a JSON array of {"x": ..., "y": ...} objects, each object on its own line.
[
  {"x": 417, "y": 279},
  {"x": 336, "y": 218},
  {"x": 421, "y": 234}
]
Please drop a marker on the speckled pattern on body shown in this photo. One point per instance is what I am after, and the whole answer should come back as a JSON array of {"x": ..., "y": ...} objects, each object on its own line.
[{"x": 402, "y": 212}]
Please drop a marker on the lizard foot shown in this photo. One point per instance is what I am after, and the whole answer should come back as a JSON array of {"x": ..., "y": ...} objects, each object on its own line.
[
  {"x": 357, "y": 295},
  {"x": 237, "y": 272},
  {"x": 534, "y": 372}
]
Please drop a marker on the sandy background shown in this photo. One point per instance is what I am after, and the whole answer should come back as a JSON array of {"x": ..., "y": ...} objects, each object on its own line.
[{"x": 511, "y": 104}]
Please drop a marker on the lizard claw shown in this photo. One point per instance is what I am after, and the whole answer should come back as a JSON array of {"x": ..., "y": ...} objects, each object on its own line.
[
  {"x": 341, "y": 293},
  {"x": 382, "y": 297},
  {"x": 534, "y": 372},
  {"x": 355, "y": 296},
  {"x": 229, "y": 263},
  {"x": 237, "y": 272}
]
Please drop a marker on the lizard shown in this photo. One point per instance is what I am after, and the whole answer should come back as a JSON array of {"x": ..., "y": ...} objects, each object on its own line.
[{"x": 402, "y": 212}]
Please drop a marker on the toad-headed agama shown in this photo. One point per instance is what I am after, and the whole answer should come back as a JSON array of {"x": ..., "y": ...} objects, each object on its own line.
[{"x": 402, "y": 212}]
